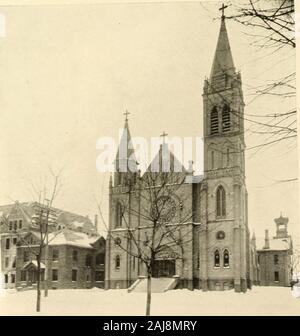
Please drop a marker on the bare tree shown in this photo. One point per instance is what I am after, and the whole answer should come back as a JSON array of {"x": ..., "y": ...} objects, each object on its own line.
[
  {"x": 160, "y": 215},
  {"x": 274, "y": 19},
  {"x": 271, "y": 25},
  {"x": 295, "y": 264},
  {"x": 43, "y": 219}
]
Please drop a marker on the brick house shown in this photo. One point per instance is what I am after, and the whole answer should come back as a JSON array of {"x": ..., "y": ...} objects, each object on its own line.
[
  {"x": 70, "y": 232},
  {"x": 274, "y": 256},
  {"x": 74, "y": 260}
]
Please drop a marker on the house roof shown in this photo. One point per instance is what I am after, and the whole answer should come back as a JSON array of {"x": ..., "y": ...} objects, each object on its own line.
[
  {"x": 276, "y": 244},
  {"x": 69, "y": 237},
  {"x": 64, "y": 219}
]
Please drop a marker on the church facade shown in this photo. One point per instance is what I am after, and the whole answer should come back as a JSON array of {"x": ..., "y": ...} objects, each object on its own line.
[{"x": 207, "y": 216}]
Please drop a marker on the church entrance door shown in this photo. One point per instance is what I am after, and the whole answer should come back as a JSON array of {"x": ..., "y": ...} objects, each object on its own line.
[{"x": 164, "y": 268}]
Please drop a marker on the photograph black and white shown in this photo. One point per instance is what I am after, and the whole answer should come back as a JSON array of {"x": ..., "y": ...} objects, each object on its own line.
[{"x": 149, "y": 158}]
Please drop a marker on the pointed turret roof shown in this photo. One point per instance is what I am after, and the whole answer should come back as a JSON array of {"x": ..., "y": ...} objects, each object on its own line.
[
  {"x": 223, "y": 61},
  {"x": 125, "y": 158}
]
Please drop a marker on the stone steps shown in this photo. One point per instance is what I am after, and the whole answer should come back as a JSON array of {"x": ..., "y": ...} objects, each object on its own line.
[{"x": 158, "y": 285}]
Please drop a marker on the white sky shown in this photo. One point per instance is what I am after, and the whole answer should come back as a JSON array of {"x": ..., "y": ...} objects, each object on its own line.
[{"x": 67, "y": 74}]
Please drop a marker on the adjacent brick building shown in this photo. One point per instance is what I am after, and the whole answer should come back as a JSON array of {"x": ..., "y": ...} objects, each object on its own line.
[
  {"x": 75, "y": 260},
  {"x": 274, "y": 256},
  {"x": 76, "y": 251}
]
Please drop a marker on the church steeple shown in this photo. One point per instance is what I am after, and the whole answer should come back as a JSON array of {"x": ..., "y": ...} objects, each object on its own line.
[
  {"x": 224, "y": 163},
  {"x": 125, "y": 163},
  {"x": 223, "y": 61}
]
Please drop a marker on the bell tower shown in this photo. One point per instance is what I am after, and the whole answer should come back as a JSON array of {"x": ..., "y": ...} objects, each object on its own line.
[{"x": 225, "y": 240}]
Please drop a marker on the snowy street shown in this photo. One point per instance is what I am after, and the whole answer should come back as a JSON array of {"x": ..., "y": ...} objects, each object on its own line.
[{"x": 258, "y": 301}]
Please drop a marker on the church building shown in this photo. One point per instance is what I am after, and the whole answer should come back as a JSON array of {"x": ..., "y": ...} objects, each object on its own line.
[{"x": 208, "y": 246}]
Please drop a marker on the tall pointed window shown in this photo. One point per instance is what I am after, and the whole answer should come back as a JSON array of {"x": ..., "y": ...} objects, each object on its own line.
[
  {"x": 214, "y": 121},
  {"x": 217, "y": 258},
  {"x": 226, "y": 118},
  {"x": 119, "y": 214},
  {"x": 221, "y": 202},
  {"x": 117, "y": 262},
  {"x": 226, "y": 258}
]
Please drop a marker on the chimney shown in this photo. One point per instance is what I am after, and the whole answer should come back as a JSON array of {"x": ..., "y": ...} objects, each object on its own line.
[
  {"x": 267, "y": 241},
  {"x": 96, "y": 222}
]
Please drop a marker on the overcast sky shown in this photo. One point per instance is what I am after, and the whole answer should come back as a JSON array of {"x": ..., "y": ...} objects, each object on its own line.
[{"x": 67, "y": 74}]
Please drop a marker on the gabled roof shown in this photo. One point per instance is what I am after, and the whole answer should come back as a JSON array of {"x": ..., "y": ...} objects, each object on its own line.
[
  {"x": 165, "y": 161},
  {"x": 33, "y": 263},
  {"x": 64, "y": 219},
  {"x": 67, "y": 237}
]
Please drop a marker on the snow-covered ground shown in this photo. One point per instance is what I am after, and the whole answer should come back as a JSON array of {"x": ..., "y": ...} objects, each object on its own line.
[{"x": 258, "y": 301}]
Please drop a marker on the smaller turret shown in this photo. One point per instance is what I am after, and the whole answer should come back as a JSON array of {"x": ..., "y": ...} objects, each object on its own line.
[{"x": 281, "y": 224}]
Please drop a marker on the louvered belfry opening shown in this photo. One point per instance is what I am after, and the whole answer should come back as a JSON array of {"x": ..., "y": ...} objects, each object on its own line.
[
  {"x": 226, "y": 118},
  {"x": 214, "y": 121}
]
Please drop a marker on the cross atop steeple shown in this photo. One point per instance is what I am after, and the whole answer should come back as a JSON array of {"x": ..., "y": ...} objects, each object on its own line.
[
  {"x": 223, "y": 61},
  {"x": 126, "y": 115},
  {"x": 163, "y": 136},
  {"x": 223, "y": 9}
]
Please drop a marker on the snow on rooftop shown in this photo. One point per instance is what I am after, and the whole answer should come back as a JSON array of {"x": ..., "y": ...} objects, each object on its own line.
[
  {"x": 77, "y": 223},
  {"x": 68, "y": 237},
  {"x": 278, "y": 244}
]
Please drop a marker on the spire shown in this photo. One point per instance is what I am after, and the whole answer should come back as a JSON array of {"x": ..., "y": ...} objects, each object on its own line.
[
  {"x": 223, "y": 61},
  {"x": 125, "y": 159}
]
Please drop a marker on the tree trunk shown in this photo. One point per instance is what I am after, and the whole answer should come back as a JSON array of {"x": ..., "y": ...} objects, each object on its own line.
[
  {"x": 38, "y": 287},
  {"x": 148, "y": 304},
  {"x": 46, "y": 275}
]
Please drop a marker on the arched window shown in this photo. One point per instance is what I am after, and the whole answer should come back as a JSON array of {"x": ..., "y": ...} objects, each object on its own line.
[
  {"x": 214, "y": 121},
  {"x": 221, "y": 202},
  {"x": 88, "y": 260},
  {"x": 226, "y": 118},
  {"x": 119, "y": 214},
  {"x": 226, "y": 258},
  {"x": 217, "y": 258},
  {"x": 117, "y": 262},
  {"x": 100, "y": 258}
]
